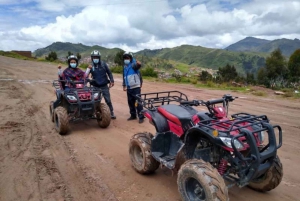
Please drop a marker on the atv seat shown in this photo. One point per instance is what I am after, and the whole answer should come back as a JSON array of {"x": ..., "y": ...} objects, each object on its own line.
[{"x": 177, "y": 114}]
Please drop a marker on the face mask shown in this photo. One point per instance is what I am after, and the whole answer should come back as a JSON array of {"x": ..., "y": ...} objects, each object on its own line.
[
  {"x": 126, "y": 61},
  {"x": 73, "y": 65},
  {"x": 96, "y": 61}
]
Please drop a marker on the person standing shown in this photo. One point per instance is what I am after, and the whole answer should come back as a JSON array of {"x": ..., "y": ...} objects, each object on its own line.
[
  {"x": 132, "y": 84},
  {"x": 100, "y": 73}
]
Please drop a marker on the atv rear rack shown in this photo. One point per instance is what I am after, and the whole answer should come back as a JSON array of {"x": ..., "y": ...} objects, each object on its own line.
[
  {"x": 230, "y": 125},
  {"x": 152, "y": 100}
]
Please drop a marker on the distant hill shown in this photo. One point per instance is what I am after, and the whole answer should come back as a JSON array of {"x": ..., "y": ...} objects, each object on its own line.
[
  {"x": 209, "y": 58},
  {"x": 248, "y": 44},
  {"x": 185, "y": 56},
  {"x": 251, "y": 44},
  {"x": 62, "y": 50}
]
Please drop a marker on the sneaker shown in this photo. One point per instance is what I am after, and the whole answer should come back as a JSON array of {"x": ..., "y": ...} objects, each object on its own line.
[
  {"x": 112, "y": 116},
  {"x": 141, "y": 121},
  {"x": 131, "y": 118}
]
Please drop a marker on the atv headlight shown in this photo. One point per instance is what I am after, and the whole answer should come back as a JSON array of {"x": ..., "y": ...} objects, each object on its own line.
[
  {"x": 227, "y": 142},
  {"x": 71, "y": 98},
  {"x": 96, "y": 95}
]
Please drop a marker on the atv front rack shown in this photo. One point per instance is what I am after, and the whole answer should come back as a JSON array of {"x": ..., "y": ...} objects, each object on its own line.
[
  {"x": 258, "y": 160},
  {"x": 151, "y": 101}
]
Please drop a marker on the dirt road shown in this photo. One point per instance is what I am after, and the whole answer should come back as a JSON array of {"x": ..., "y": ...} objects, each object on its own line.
[{"x": 92, "y": 163}]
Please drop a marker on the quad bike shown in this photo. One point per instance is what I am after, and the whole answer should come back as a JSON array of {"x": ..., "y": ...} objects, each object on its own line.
[
  {"x": 207, "y": 148},
  {"x": 81, "y": 102}
]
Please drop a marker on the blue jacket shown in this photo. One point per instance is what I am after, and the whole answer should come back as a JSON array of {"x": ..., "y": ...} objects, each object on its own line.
[{"x": 132, "y": 77}]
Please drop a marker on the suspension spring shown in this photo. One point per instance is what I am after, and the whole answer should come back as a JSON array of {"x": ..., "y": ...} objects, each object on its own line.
[{"x": 222, "y": 166}]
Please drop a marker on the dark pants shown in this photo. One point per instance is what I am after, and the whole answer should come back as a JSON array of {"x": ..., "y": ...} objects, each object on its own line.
[
  {"x": 106, "y": 95},
  {"x": 131, "y": 97}
]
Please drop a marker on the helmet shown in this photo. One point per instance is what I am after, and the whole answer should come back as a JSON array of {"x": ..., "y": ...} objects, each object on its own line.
[
  {"x": 95, "y": 53},
  {"x": 71, "y": 57},
  {"x": 129, "y": 54}
]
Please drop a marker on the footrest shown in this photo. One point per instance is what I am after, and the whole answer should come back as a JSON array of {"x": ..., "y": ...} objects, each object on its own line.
[{"x": 168, "y": 158}]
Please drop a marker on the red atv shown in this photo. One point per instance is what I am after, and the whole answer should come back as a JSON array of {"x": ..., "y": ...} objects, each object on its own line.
[
  {"x": 81, "y": 102},
  {"x": 207, "y": 148}
]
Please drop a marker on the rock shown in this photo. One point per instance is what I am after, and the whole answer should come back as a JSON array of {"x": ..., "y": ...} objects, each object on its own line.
[{"x": 279, "y": 93}]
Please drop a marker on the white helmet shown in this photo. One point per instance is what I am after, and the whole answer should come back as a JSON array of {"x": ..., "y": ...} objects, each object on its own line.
[{"x": 95, "y": 53}]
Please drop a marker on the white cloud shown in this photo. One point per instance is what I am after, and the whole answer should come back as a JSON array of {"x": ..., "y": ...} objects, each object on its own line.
[{"x": 157, "y": 24}]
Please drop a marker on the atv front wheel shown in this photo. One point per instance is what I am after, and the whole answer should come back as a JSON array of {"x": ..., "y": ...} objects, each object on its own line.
[
  {"x": 103, "y": 115},
  {"x": 270, "y": 180},
  {"x": 140, "y": 153},
  {"x": 198, "y": 180},
  {"x": 61, "y": 120},
  {"x": 51, "y": 111}
]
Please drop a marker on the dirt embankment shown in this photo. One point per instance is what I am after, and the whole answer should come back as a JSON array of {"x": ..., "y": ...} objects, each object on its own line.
[{"x": 92, "y": 163}]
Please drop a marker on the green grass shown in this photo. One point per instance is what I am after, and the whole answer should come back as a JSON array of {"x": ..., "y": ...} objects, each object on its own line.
[{"x": 14, "y": 55}]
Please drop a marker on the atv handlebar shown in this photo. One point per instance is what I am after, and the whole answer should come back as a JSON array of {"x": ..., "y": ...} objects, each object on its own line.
[{"x": 191, "y": 103}]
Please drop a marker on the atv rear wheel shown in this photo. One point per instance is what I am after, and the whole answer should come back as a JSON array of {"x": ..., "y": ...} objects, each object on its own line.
[
  {"x": 103, "y": 115},
  {"x": 61, "y": 120},
  {"x": 270, "y": 180},
  {"x": 200, "y": 181},
  {"x": 51, "y": 111},
  {"x": 140, "y": 153}
]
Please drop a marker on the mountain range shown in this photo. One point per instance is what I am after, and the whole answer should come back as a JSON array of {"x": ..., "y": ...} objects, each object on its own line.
[
  {"x": 251, "y": 44},
  {"x": 247, "y": 55}
]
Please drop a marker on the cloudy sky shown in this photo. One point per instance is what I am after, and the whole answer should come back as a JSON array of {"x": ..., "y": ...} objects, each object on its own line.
[{"x": 138, "y": 24}]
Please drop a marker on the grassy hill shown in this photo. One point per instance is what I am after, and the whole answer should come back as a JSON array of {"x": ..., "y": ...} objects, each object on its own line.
[
  {"x": 247, "y": 55},
  {"x": 62, "y": 50},
  {"x": 209, "y": 58}
]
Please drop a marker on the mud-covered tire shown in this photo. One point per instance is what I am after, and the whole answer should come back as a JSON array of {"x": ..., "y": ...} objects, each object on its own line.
[
  {"x": 270, "y": 180},
  {"x": 61, "y": 120},
  {"x": 51, "y": 111},
  {"x": 103, "y": 115},
  {"x": 140, "y": 153},
  {"x": 198, "y": 180}
]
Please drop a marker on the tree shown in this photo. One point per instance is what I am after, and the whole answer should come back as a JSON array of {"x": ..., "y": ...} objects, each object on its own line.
[
  {"x": 205, "y": 76},
  {"x": 276, "y": 65},
  {"x": 250, "y": 78},
  {"x": 262, "y": 76},
  {"x": 78, "y": 56},
  {"x": 294, "y": 66},
  {"x": 227, "y": 73},
  {"x": 119, "y": 58},
  {"x": 52, "y": 56}
]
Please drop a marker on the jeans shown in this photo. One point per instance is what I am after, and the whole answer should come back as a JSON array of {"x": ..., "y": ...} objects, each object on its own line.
[
  {"x": 131, "y": 98},
  {"x": 106, "y": 96}
]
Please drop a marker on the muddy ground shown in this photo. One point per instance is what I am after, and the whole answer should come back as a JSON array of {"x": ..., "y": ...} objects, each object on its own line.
[{"x": 92, "y": 163}]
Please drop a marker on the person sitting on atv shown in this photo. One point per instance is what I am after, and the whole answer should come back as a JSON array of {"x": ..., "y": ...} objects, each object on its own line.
[{"x": 72, "y": 73}]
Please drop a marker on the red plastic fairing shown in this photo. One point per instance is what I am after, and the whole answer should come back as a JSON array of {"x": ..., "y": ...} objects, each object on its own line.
[
  {"x": 220, "y": 111},
  {"x": 175, "y": 128},
  {"x": 169, "y": 116},
  {"x": 195, "y": 119},
  {"x": 146, "y": 114},
  {"x": 79, "y": 86}
]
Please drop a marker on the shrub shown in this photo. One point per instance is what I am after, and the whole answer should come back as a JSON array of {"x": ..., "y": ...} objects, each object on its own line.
[
  {"x": 117, "y": 69},
  {"x": 259, "y": 93},
  {"x": 148, "y": 71}
]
